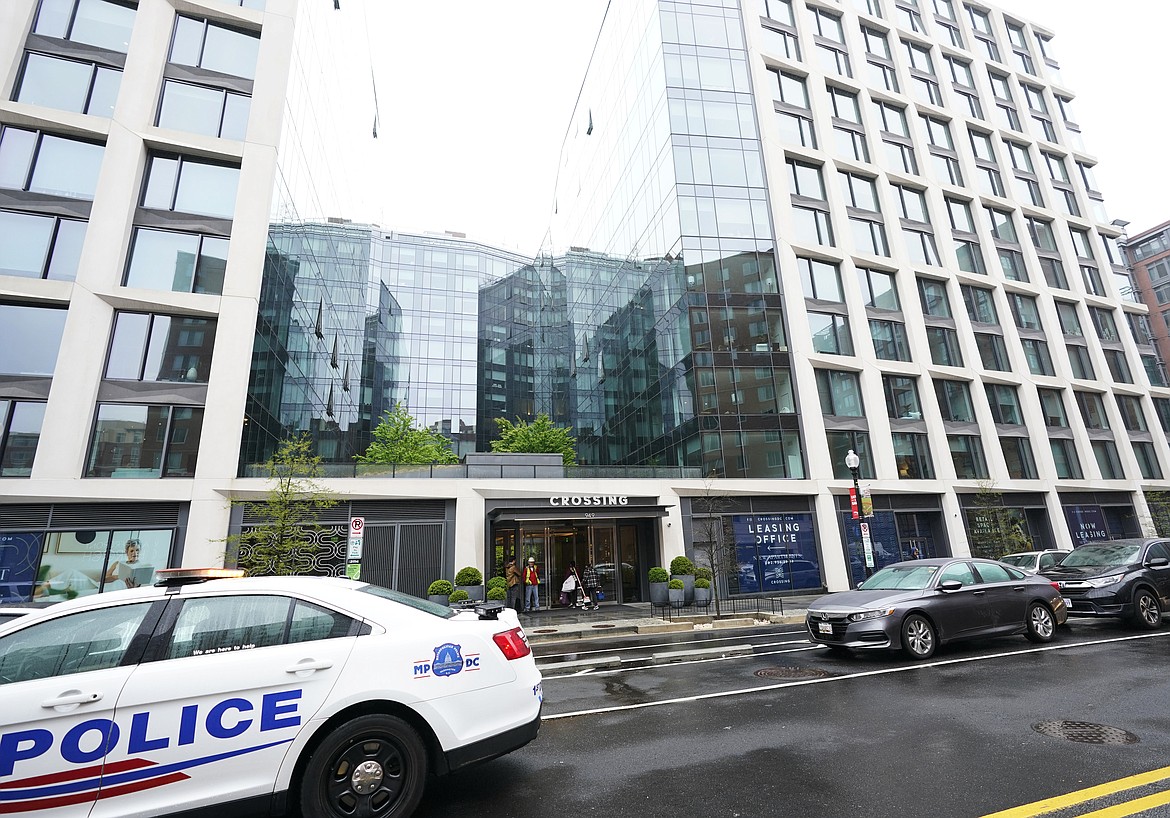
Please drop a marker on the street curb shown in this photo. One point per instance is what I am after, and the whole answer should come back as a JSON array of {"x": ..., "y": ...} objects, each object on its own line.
[{"x": 702, "y": 653}]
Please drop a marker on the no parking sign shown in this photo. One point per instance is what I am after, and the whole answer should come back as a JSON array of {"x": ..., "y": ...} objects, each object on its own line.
[{"x": 353, "y": 557}]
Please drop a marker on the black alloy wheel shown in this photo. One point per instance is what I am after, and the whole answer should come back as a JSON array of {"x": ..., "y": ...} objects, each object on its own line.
[
  {"x": 1147, "y": 611},
  {"x": 370, "y": 767},
  {"x": 918, "y": 637},
  {"x": 1040, "y": 624}
]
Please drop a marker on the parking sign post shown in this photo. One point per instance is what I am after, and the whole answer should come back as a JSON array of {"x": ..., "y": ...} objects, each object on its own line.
[{"x": 353, "y": 555}]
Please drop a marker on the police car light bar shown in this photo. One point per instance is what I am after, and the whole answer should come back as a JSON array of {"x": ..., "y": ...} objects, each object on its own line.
[
  {"x": 184, "y": 576},
  {"x": 489, "y": 610}
]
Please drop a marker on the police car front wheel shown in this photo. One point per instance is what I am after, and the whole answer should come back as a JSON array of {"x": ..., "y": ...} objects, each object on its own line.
[{"x": 369, "y": 767}]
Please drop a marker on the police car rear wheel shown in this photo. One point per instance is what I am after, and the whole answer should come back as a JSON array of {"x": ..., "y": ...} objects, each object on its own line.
[{"x": 370, "y": 767}]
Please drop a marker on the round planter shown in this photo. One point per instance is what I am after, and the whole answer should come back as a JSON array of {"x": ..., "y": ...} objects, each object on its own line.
[
  {"x": 688, "y": 581},
  {"x": 677, "y": 596},
  {"x": 475, "y": 593},
  {"x": 658, "y": 595},
  {"x": 703, "y": 596},
  {"x": 442, "y": 599}
]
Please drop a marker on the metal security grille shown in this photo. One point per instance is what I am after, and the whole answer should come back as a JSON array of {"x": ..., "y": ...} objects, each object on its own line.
[
  {"x": 420, "y": 556},
  {"x": 85, "y": 516},
  {"x": 378, "y": 555}
]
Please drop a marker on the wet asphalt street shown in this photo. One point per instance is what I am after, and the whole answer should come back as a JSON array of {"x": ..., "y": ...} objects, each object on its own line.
[{"x": 790, "y": 731}]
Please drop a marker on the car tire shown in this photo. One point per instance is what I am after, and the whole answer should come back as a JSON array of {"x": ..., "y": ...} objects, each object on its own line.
[
  {"x": 1147, "y": 611},
  {"x": 918, "y": 637},
  {"x": 374, "y": 765},
  {"x": 1040, "y": 624}
]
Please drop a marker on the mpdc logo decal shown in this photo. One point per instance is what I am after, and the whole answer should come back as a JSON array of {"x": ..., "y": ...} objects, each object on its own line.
[{"x": 448, "y": 660}]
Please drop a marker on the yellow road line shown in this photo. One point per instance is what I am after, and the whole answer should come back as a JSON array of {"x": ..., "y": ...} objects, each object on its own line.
[
  {"x": 1131, "y": 807},
  {"x": 1081, "y": 796}
]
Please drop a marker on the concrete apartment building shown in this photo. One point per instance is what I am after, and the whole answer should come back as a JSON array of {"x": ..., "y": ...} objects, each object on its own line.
[{"x": 783, "y": 230}]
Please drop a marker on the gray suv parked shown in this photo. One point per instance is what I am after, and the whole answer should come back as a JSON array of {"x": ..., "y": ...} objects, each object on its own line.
[{"x": 1123, "y": 578}]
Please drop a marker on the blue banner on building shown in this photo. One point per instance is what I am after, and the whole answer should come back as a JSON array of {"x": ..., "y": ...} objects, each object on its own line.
[
  {"x": 19, "y": 555},
  {"x": 776, "y": 552},
  {"x": 1086, "y": 524}
]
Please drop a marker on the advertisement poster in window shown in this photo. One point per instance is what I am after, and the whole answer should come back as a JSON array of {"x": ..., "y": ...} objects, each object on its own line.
[
  {"x": 1086, "y": 524},
  {"x": 780, "y": 550},
  {"x": 19, "y": 555}
]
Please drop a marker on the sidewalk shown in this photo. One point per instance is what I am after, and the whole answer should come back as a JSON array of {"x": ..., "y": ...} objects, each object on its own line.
[{"x": 559, "y": 624}]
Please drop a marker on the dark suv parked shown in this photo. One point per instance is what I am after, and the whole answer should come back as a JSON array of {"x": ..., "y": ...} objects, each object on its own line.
[{"x": 1123, "y": 578}]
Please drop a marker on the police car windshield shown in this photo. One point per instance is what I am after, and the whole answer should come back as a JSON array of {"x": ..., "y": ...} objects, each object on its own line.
[{"x": 415, "y": 602}]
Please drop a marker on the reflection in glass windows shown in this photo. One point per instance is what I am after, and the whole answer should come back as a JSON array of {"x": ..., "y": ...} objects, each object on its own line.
[
  {"x": 967, "y": 455},
  {"x": 147, "y": 347},
  {"x": 144, "y": 441},
  {"x": 902, "y": 397},
  {"x": 29, "y": 339},
  {"x": 992, "y": 352},
  {"x": 1108, "y": 460},
  {"x": 213, "y": 47},
  {"x": 1004, "y": 401},
  {"x": 944, "y": 346},
  {"x": 1017, "y": 453},
  {"x": 890, "y": 342},
  {"x": 1037, "y": 356},
  {"x": 830, "y": 333},
  {"x": 37, "y": 246},
  {"x": 912, "y": 456},
  {"x": 69, "y": 85},
  {"x": 203, "y": 110},
  {"x": 1147, "y": 460},
  {"x": 954, "y": 400},
  {"x": 840, "y": 442},
  {"x": 103, "y": 23},
  {"x": 840, "y": 393},
  {"x": 189, "y": 185},
  {"x": 1064, "y": 456},
  {"x": 1052, "y": 405},
  {"x": 41, "y": 162},
  {"x": 20, "y": 431},
  {"x": 820, "y": 280},
  {"x": 178, "y": 262}
]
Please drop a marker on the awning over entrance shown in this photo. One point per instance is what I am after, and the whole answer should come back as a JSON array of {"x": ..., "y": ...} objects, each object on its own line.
[{"x": 510, "y": 515}]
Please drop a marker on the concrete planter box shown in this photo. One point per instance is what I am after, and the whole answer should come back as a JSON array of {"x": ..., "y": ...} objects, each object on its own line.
[
  {"x": 658, "y": 595},
  {"x": 688, "y": 581},
  {"x": 703, "y": 597},
  {"x": 442, "y": 599},
  {"x": 677, "y": 596},
  {"x": 475, "y": 593}
]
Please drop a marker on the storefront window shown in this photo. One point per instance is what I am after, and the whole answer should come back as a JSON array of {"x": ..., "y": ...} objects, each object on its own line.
[{"x": 79, "y": 563}]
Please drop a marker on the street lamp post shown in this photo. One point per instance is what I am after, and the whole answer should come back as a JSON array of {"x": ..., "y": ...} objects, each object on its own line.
[{"x": 853, "y": 463}]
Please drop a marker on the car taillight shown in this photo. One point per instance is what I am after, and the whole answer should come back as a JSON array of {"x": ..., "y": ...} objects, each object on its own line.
[
  {"x": 1055, "y": 585},
  {"x": 512, "y": 643}
]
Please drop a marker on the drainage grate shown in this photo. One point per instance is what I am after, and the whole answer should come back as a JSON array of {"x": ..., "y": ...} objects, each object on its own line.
[
  {"x": 1085, "y": 732},
  {"x": 787, "y": 672},
  {"x": 602, "y": 626},
  {"x": 546, "y": 630}
]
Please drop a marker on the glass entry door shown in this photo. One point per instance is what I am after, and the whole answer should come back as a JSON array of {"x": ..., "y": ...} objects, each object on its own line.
[{"x": 602, "y": 542}]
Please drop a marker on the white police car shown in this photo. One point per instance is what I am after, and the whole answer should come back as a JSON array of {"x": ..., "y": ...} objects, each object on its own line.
[{"x": 254, "y": 696}]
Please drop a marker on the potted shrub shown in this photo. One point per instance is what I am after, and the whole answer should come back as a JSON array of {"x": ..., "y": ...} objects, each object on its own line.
[
  {"x": 683, "y": 569},
  {"x": 470, "y": 580},
  {"x": 440, "y": 591},
  {"x": 658, "y": 579},
  {"x": 497, "y": 592},
  {"x": 702, "y": 591},
  {"x": 676, "y": 593},
  {"x": 458, "y": 596},
  {"x": 497, "y": 582}
]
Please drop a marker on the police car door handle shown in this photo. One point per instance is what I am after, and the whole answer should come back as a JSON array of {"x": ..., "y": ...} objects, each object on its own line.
[
  {"x": 73, "y": 697},
  {"x": 308, "y": 665}
]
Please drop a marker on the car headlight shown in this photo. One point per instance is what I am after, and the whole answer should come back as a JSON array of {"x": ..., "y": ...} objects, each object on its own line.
[
  {"x": 1101, "y": 582},
  {"x": 861, "y": 616}
]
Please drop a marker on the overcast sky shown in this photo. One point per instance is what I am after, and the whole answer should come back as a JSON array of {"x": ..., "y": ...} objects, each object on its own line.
[{"x": 475, "y": 97}]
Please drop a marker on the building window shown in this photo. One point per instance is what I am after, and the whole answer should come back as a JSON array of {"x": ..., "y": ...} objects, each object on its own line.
[
  {"x": 832, "y": 55},
  {"x": 830, "y": 333},
  {"x": 980, "y": 304},
  {"x": 981, "y": 23},
  {"x": 1154, "y": 368},
  {"x": 879, "y": 60},
  {"x": 1017, "y": 453},
  {"x": 1007, "y": 244},
  {"x": 796, "y": 122},
  {"x": 902, "y": 397},
  {"x": 989, "y": 179},
  {"x": 1037, "y": 357},
  {"x": 1147, "y": 460},
  {"x": 103, "y": 23},
  {"x": 879, "y": 289},
  {"x": 1070, "y": 323},
  {"x": 40, "y": 162},
  {"x": 1092, "y": 410},
  {"x": 1052, "y": 404},
  {"x": 896, "y": 137},
  {"x": 912, "y": 456},
  {"x": 1025, "y": 311},
  {"x": 1053, "y": 271},
  {"x": 1079, "y": 360},
  {"x": 1024, "y": 178},
  {"x": 148, "y": 347},
  {"x": 954, "y": 401},
  {"x": 840, "y": 443},
  {"x": 144, "y": 441},
  {"x": 889, "y": 340},
  {"x": 963, "y": 82},
  {"x": 1162, "y": 410},
  {"x": 1104, "y": 323},
  {"x": 923, "y": 82},
  {"x": 207, "y": 111},
  {"x": 212, "y": 47},
  {"x": 943, "y": 157},
  {"x": 840, "y": 393},
  {"x": 906, "y": 15},
  {"x": 37, "y": 246},
  {"x": 944, "y": 346},
  {"x": 187, "y": 185},
  {"x": 20, "y": 432},
  {"x": 933, "y": 295},
  {"x": 821, "y": 280},
  {"x": 1019, "y": 41},
  {"x": 1004, "y": 401},
  {"x": 967, "y": 455},
  {"x": 68, "y": 85},
  {"x": 1132, "y": 414},
  {"x": 178, "y": 262},
  {"x": 29, "y": 339},
  {"x": 1064, "y": 455},
  {"x": 1108, "y": 461},
  {"x": 1118, "y": 367},
  {"x": 812, "y": 226},
  {"x": 992, "y": 352},
  {"x": 967, "y": 250}
]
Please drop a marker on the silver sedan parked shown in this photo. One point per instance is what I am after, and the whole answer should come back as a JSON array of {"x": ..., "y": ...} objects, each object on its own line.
[{"x": 920, "y": 604}]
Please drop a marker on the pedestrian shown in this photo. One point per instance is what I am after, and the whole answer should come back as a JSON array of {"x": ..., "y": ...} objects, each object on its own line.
[
  {"x": 570, "y": 586},
  {"x": 515, "y": 589},
  {"x": 531, "y": 586},
  {"x": 591, "y": 585}
]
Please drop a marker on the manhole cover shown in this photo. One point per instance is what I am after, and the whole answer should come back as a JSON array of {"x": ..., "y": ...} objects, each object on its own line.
[
  {"x": 792, "y": 673},
  {"x": 602, "y": 626},
  {"x": 546, "y": 630},
  {"x": 1085, "y": 732}
]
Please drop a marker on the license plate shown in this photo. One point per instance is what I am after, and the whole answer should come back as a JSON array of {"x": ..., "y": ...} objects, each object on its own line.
[
  {"x": 824, "y": 627},
  {"x": 1067, "y": 602}
]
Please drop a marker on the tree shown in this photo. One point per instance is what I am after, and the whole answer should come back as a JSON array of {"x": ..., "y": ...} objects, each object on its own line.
[
  {"x": 284, "y": 540},
  {"x": 1158, "y": 503},
  {"x": 994, "y": 529},
  {"x": 540, "y": 436},
  {"x": 711, "y": 537},
  {"x": 398, "y": 440}
]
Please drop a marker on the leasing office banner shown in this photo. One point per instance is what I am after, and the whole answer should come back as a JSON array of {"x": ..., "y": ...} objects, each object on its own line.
[{"x": 776, "y": 552}]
